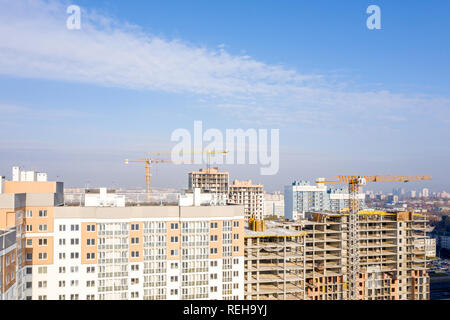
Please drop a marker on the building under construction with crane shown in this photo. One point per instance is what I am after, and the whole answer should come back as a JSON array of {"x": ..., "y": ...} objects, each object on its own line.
[
  {"x": 309, "y": 259},
  {"x": 352, "y": 255}
]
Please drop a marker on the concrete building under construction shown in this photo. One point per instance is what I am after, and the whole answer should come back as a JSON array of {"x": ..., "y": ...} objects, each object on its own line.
[
  {"x": 209, "y": 180},
  {"x": 250, "y": 195},
  {"x": 308, "y": 260}
]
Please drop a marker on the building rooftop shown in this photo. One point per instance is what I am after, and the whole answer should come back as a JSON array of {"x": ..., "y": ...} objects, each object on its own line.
[{"x": 274, "y": 229}]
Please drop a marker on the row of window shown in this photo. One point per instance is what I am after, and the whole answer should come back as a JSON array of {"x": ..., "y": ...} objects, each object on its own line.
[
  {"x": 41, "y": 228},
  {"x": 42, "y": 213}
]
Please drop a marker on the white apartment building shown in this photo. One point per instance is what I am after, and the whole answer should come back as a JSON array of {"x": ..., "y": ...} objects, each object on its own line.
[
  {"x": 302, "y": 196},
  {"x": 274, "y": 205}
]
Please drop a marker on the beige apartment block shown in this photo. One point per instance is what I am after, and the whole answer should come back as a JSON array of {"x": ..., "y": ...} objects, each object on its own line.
[
  {"x": 60, "y": 252},
  {"x": 250, "y": 195}
]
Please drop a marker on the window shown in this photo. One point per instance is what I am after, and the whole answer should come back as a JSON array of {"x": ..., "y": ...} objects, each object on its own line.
[
  {"x": 213, "y": 250},
  {"x": 42, "y": 297},
  {"x": 90, "y": 242},
  {"x": 134, "y": 267},
  {"x": 62, "y": 269},
  {"x": 42, "y": 213},
  {"x": 134, "y": 240},
  {"x": 90, "y": 297},
  {"x": 62, "y": 297},
  {"x": 90, "y": 269},
  {"x": 74, "y": 269},
  {"x": 29, "y": 270},
  {"x": 213, "y": 289},
  {"x": 28, "y": 285},
  {"x": 90, "y": 227},
  {"x": 173, "y": 291},
  {"x": 42, "y": 227},
  {"x": 214, "y": 238},
  {"x": 214, "y": 263},
  {"x": 235, "y": 273},
  {"x": 29, "y": 228},
  {"x": 235, "y": 261},
  {"x": 90, "y": 283},
  {"x": 74, "y": 227},
  {"x": 62, "y": 255},
  {"x": 236, "y": 236},
  {"x": 74, "y": 255},
  {"x": 75, "y": 241},
  {"x": 173, "y": 279},
  {"x": 214, "y": 225},
  {"x": 90, "y": 256},
  {"x": 29, "y": 242},
  {"x": 174, "y": 226},
  {"x": 42, "y": 270},
  {"x": 236, "y": 224},
  {"x": 29, "y": 214},
  {"x": 174, "y": 239},
  {"x": 42, "y": 284},
  {"x": 62, "y": 227},
  {"x": 74, "y": 283},
  {"x": 135, "y": 254},
  {"x": 134, "y": 226},
  {"x": 62, "y": 284},
  {"x": 235, "y": 248},
  {"x": 62, "y": 242},
  {"x": 174, "y": 265},
  {"x": 74, "y": 297},
  {"x": 42, "y": 242},
  {"x": 42, "y": 256},
  {"x": 213, "y": 276},
  {"x": 174, "y": 252},
  {"x": 29, "y": 257}
]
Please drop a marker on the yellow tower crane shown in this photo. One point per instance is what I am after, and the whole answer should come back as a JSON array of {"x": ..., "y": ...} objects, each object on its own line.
[
  {"x": 148, "y": 164},
  {"x": 354, "y": 185}
]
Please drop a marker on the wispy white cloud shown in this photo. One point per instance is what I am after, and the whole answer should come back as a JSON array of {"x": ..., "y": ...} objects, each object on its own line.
[{"x": 35, "y": 43}]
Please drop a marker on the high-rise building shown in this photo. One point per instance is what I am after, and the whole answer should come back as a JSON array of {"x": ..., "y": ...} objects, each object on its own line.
[
  {"x": 250, "y": 195},
  {"x": 274, "y": 205},
  {"x": 75, "y": 252},
  {"x": 425, "y": 192},
  {"x": 301, "y": 197},
  {"x": 413, "y": 193},
  {"x": 307, "y": 260},
  {"x": 209, "y": 180}
]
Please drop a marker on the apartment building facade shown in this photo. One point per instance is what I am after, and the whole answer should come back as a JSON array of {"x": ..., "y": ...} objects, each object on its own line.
[
  {"x": 274, "y": 205},
  {"x": 8, "y": 261},
  {"x": 251, "y": 196},
  {"x": 135, "y": 252}
]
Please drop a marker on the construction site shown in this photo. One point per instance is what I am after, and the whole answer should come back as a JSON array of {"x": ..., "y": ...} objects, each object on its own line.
[
  {"x": 349, "y": 255},
  {"x": 309, "y": 260}
]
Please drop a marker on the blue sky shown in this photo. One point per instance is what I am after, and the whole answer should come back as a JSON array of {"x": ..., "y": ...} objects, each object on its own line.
[{"x": 346, "y": 99}]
